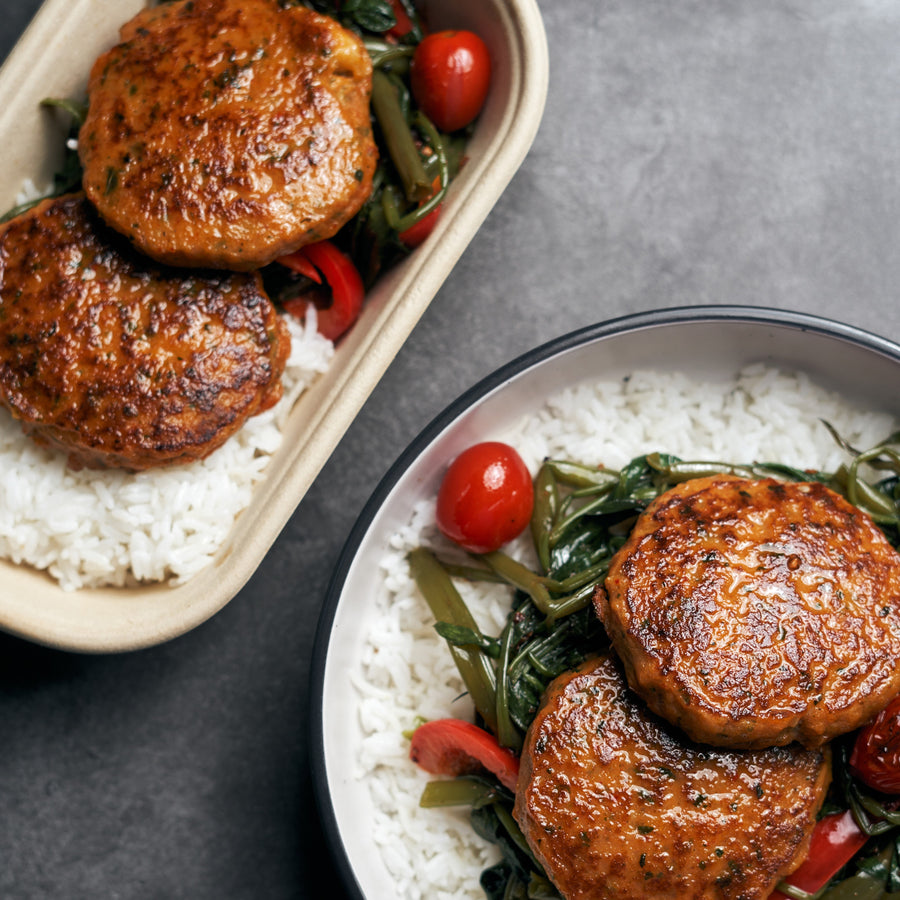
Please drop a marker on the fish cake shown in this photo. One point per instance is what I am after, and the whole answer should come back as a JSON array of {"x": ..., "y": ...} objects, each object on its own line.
[
  {"x": 225, "y": 133},
  {"x": 614, "y": 802},
  {"x": 754, "y": 613},
  {"x": 120, "y": 362}
]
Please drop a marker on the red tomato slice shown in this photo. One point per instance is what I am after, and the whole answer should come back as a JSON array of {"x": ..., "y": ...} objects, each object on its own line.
[
  {"x": 324, "y": 261},
  {"x": 404, "y": 23},
  {"x": 299, "y": 263},
  {"x": 417, "y": 233},
  {"x": 450, "y": 76},
  {"x": 486, "y": 497},
  {"x": 835, "y": 841},
  {"x": 455, "y": 747}
]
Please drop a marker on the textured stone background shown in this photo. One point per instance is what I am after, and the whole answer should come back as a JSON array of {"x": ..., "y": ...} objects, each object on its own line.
[{"x": 691, "y": 153}]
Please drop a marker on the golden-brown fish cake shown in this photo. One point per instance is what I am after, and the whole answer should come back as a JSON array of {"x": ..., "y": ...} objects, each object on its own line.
[
  {"x": 224, "y": 133},
  {"x": 615, "y": 803},
  {"x": 755, "y": 613},
  {"x": 119, "y": 361}
]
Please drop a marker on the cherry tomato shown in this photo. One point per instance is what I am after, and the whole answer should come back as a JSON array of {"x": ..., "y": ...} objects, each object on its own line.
[
  {"x": 450, "y": 76},
  {"x": 875, "y": 759},
  {"x": 340, "y": 300},
  {"x": 485, "y": 498}
]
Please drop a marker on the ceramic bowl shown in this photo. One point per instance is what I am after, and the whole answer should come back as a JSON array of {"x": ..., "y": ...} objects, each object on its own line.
[{"x": 709, "y": 343}]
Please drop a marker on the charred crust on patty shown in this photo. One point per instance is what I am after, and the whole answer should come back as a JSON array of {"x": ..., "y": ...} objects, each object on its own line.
[
  {"x": 615, "y": 802},
  {"x": 226, "y": 133},
  {"x": 756, "y": 613},
  {"x": 122, "y": 362}
]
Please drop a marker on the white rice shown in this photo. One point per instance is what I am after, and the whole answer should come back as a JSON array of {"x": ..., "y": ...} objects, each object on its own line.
[
  {"x": 100, "y": 528},
  {"x": 405, "y": 671}
]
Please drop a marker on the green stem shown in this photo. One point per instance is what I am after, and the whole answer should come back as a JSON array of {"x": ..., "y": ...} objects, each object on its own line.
[
  {"x": 391, "y": 206},
  {"x": 546, "y": 506},
  {"x": 507, "y": 733},
  {"x": 471, "y": 573},
  {"x": 577, "y": 475},
  {"x": 448, "y": 606},
  {"x": 398, "y": 138},
  {"x": 579, "y": 513},
  {"x": 565, "y": 606},
  {"x": 520, "y": 577},
  {"x": 437, "y": 198},
  {"x": 78, "y": 111},
  {"x": 512, "y": 829},
  {"x": 458, "y": 792},
  {"x": 383, "y": 54}
]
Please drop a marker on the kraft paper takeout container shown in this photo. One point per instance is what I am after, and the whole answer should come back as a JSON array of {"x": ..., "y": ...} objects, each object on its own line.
[{"x": 53, "y": 59}]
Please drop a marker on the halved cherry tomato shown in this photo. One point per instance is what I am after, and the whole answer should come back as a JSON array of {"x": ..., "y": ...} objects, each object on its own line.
[
  {"x": 486, "y": 497},
  {"x": 456, "y": 747},
  {"x": 323, "y": 261},
  {"x": 450, "y": 77},
  {"x": 875, "y": 758},
  {"x": 836, "y": 839}
]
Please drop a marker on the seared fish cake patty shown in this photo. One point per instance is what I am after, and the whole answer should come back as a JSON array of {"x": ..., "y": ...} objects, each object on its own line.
[
  {"x": 755, "y": 613},
  {"x": 225, "y": 133},
  {"x": 119, "y": 361},
  {"x": 615, "y": 802}
]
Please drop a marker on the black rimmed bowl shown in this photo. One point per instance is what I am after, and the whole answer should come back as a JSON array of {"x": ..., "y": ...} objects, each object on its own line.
[{"x": 707, "y": 342}]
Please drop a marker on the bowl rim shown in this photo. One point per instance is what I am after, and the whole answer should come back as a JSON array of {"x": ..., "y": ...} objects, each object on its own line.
[{"x": 610, "y": 328}]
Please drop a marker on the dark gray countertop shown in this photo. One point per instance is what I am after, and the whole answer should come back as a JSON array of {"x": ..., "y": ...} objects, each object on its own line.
[{"x": 691, "y": 153}]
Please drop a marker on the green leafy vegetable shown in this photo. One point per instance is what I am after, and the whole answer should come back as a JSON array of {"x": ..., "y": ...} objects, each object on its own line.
[{"x": 370, "y": 15}]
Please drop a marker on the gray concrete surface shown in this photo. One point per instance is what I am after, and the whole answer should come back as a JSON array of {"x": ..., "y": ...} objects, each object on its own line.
[{"x": 691, "y": 153}]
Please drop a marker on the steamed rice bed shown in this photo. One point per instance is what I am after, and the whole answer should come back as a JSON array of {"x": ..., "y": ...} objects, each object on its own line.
[
  {"x": 95, "y": 528},
  {"x": 405, "y": 671}
]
